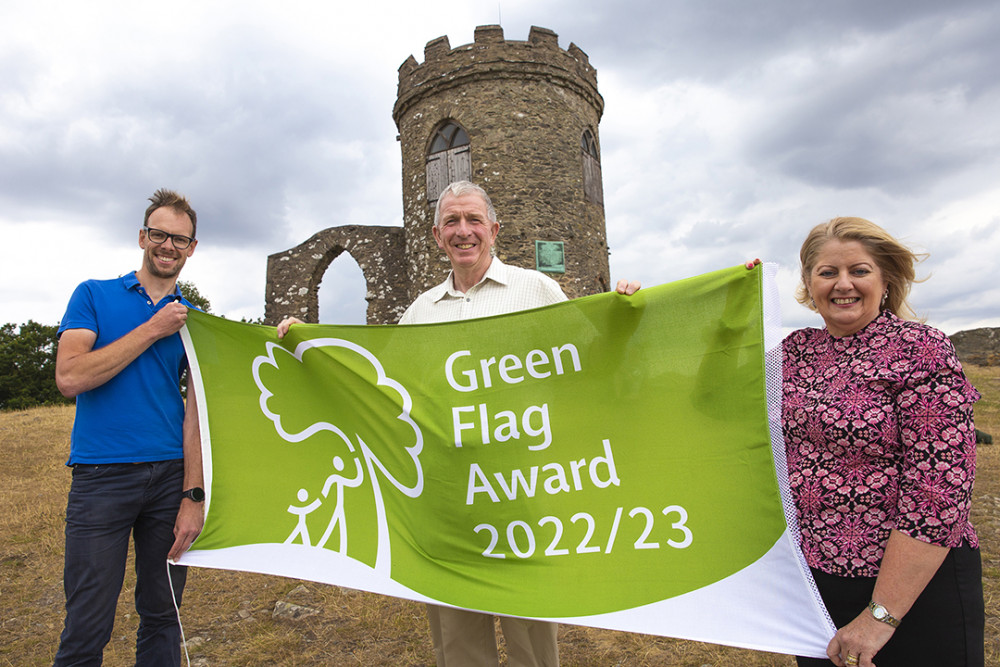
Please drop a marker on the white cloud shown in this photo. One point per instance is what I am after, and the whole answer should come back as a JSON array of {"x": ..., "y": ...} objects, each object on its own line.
[{"x": 729, "y": 130}]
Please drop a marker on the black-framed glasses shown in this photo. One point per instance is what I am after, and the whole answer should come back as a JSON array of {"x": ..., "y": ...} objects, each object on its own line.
[{"x": 159, "y": 236}]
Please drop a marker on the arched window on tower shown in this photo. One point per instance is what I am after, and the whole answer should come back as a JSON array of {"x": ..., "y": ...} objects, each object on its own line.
[
  {"x": 448, "y": 159},
  {"x": 593, "y": 189}
]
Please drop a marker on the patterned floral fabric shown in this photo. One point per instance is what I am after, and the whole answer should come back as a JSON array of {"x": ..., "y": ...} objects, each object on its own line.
[{"x": 879, "y": 436}]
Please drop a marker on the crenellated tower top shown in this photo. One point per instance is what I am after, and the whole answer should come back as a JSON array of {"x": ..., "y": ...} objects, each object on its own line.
[{"x": 492, "y": 57}]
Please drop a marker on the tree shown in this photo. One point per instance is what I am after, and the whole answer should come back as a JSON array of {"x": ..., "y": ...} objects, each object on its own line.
[
  {"x": 28, "y": 366},
  {"x": 28, "y": 359},
  {"x": 192, "y": 294},
  {"x": 201, "y": 302}
]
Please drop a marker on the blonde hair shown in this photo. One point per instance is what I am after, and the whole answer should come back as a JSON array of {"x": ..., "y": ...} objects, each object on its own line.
[{"x": 895, "y": 261}]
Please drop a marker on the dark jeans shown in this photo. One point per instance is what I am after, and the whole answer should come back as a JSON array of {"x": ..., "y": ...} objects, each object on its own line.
[
  {"x": 106, "y": 504},
  {"x": 944, "y": 627}
]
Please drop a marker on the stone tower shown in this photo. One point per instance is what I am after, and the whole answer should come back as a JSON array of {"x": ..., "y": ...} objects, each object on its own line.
[
  {"x": 527, "y": 114},
  {"x": 518, "y": 118}
]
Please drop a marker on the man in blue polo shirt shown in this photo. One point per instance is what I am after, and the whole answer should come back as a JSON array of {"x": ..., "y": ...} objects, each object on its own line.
[{"x": 135, "y": 449}]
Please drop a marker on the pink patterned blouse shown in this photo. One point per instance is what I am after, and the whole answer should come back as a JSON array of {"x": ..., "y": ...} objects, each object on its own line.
[{"x": 879, "y": 436}]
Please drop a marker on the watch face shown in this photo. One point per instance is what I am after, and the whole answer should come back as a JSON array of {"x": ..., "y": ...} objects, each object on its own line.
[
  {"x": 879, "y": 612},
  {"x": 196, "y": 494}
]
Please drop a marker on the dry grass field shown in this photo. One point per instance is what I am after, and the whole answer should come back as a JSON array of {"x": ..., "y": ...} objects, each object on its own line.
[{"x": 227, "y": 616}]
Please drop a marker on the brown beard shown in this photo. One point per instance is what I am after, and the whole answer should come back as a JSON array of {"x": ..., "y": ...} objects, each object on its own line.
[{"x": 155, "y": 270}]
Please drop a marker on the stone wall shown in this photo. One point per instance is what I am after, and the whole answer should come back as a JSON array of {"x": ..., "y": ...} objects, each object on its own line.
[{"x": 294, "y": 276}]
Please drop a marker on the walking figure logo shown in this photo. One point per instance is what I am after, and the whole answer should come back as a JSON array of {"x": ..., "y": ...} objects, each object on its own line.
[{"x": 352, "y": 394}]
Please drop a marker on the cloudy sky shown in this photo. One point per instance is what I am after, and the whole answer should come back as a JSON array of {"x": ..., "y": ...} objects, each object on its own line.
[{"x": 730, "y": 128}]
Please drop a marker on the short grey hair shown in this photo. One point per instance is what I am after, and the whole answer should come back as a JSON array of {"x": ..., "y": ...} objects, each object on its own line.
[{"x": 459, "y": 189}]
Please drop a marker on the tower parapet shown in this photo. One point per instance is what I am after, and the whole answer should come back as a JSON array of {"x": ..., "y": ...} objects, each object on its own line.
[{"x": 491, "y": 56}]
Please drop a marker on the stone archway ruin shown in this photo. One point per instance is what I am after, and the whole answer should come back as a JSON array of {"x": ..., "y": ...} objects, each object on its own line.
[{"x": 294, "y": 276}]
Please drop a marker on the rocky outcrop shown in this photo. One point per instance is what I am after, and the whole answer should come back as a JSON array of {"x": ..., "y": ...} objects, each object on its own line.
[{"x": 978, "y": 346}]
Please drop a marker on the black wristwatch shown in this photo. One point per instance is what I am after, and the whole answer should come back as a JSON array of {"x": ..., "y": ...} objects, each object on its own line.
[{"x": 196, "y": 494}]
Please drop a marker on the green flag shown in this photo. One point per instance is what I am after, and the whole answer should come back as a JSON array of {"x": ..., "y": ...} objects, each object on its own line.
[{"x": 576, "y": 462}]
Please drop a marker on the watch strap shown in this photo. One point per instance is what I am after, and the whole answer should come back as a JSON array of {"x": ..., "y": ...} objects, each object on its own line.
[{"x": 882, "y": 614}]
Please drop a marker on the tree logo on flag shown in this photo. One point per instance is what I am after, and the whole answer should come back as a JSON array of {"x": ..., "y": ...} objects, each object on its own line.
[{"x": 364, "y": 445}]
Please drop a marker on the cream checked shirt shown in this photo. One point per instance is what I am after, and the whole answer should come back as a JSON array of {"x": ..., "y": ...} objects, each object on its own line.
[{"x": 504, "y": 289}]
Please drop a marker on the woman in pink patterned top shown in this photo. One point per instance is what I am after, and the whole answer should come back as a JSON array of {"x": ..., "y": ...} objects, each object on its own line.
[{"x": 881, "y": 452}]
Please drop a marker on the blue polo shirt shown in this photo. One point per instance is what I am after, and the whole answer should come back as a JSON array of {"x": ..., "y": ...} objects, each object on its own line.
[{"x": 137, "y": 415}]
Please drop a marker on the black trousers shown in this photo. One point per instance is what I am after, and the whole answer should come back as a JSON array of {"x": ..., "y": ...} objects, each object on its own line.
[{"x": 944, "y": 628}]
